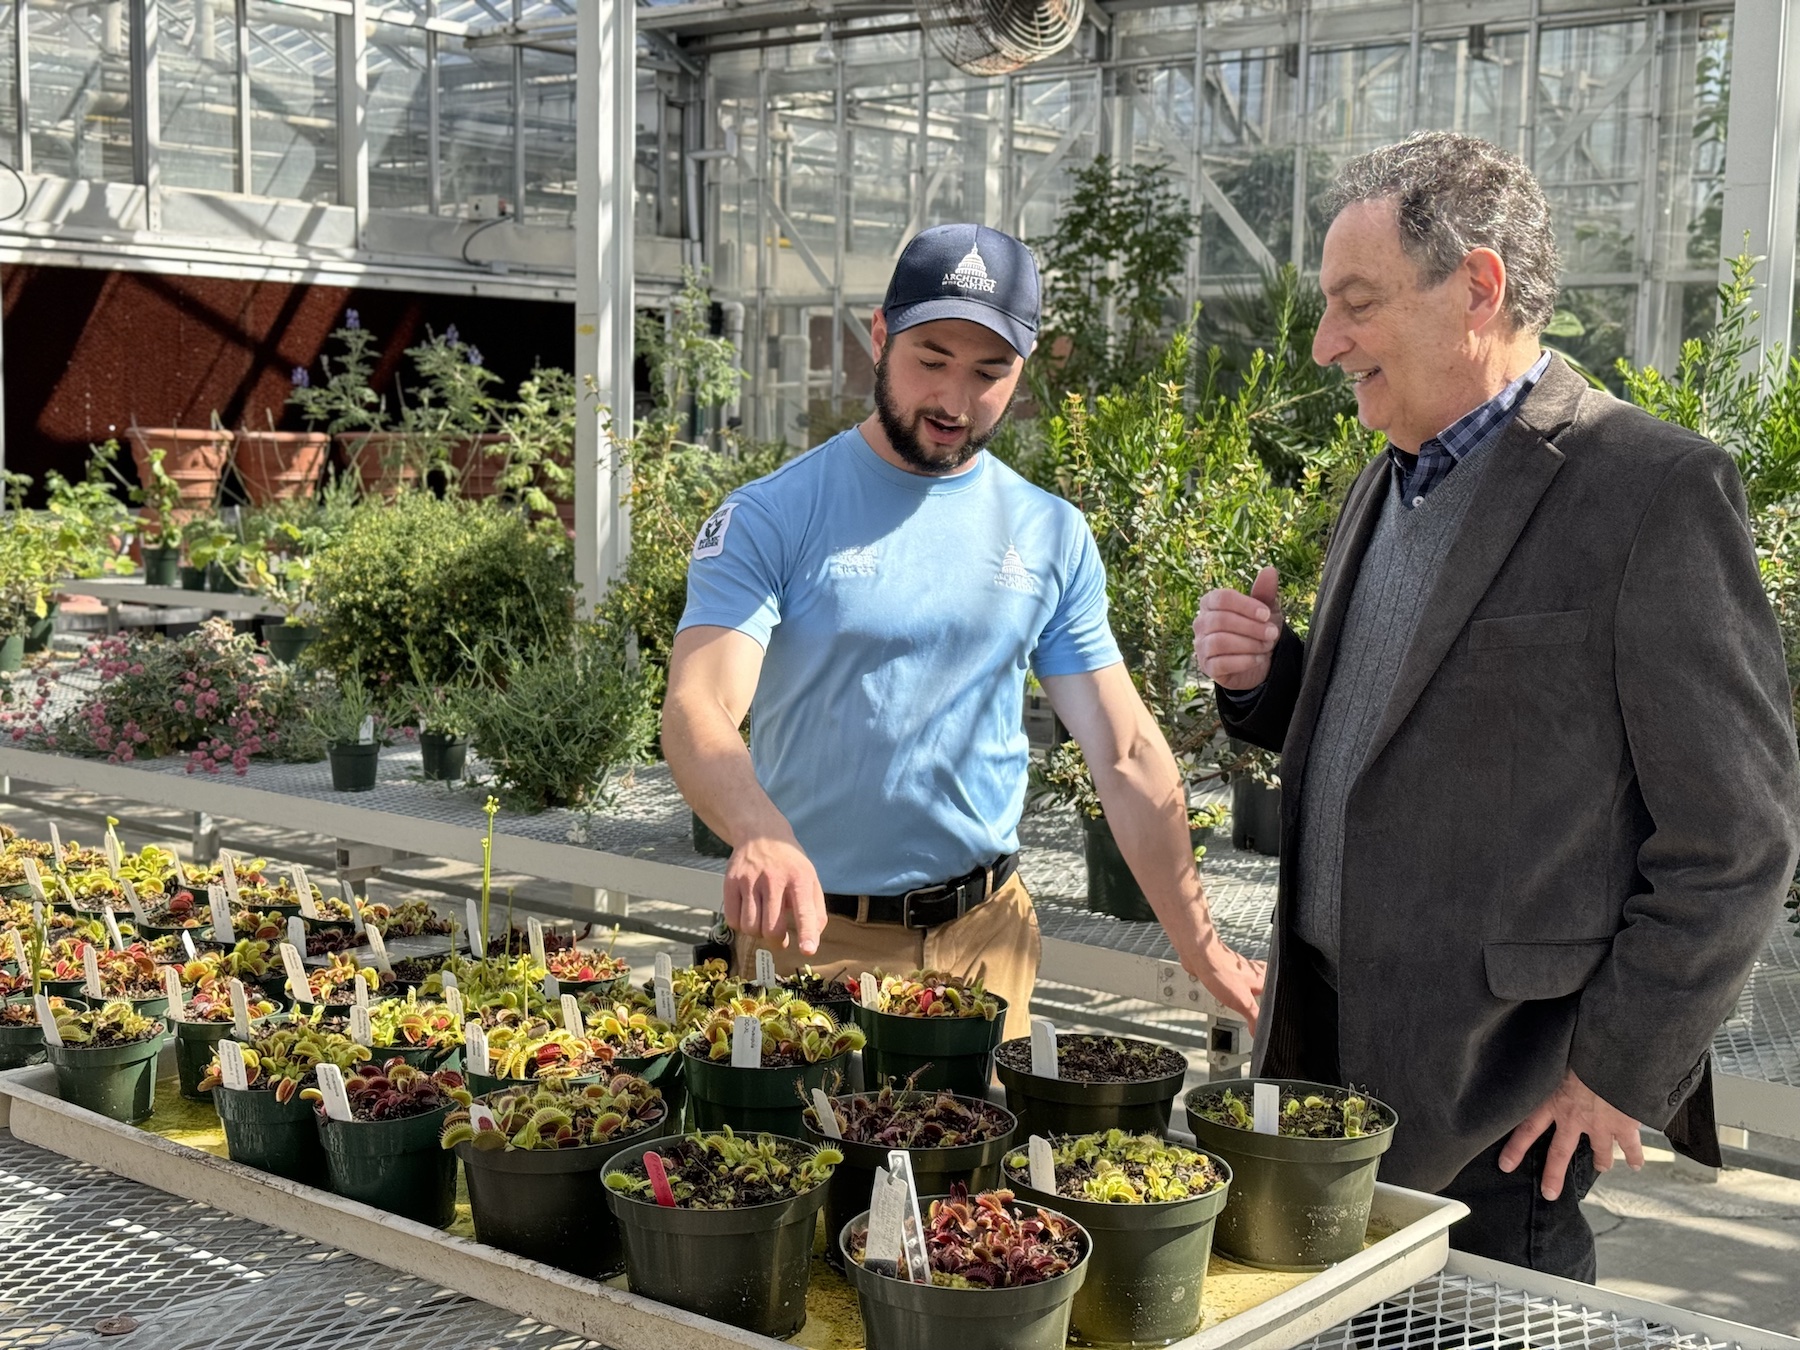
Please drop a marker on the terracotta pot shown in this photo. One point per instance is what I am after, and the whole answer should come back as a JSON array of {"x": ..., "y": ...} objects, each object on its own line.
[
  {"x": 477, "y": 471},
  {"x": 195, "y": 458},
  {"x": 279, "y": 465},
  {"x": 379, "y": 461}
]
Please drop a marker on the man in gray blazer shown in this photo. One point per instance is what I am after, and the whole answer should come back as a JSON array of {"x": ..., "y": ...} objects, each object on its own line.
[{"x": 1540, "y": 794}]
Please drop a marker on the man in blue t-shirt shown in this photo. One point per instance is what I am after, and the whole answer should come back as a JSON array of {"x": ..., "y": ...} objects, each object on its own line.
[{"x": 875, "y": 605}]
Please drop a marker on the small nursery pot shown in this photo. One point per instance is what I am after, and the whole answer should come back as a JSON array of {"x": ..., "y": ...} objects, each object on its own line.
[
  {"x": 1147, "y": 1265},
  {"x": 664, "y": 1073},
  {"x": 161, "y": 566},
  {"x": 1050, "y": 1106},
  {"x": 951, "y": 1054},
  {"x": 1111, "y": 887},
  {"x": 286, "y": 641},
  {"x": 24, "y": 1045},
  {"x": 749, "y": 1267},
  {"x": 442, "y": 756},
  {"x": 353, "y": 765},
  {"x": 192, "y": 578},
  {"x": 219, "y": 581},
  {"x": 753, "y": 1101},
  {"x": 549, "y": 1205},
  {"x": 935, "y": 1170},
  {"x": 272, "y": 1136},
  {"x": 480, "y": 1084},
  {"x": 149, "y": 932},
  {"x": 899, "y": 1315},
  {"x": 195, "y": 1044},
  {"x": 1296, "y": 1203},
  {"x": 39, "y": 632},
  {"x": 116, "y": 1081},
  {"x": 396, "y": 1165}
]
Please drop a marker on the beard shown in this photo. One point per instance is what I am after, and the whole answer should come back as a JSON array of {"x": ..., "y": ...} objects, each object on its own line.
[{"x": 903, "y": 432}]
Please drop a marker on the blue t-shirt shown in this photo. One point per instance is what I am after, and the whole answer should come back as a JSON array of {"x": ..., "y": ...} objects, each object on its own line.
[{"x": 898, "y": 614}]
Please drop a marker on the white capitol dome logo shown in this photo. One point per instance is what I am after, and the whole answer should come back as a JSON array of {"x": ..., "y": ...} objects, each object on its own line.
[{"x": 971, "y": 274}]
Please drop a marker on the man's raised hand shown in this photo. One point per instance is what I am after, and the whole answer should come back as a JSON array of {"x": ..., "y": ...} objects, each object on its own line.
[
  {"x": 771, "y": 890},
  {"x": 1235, "y": 634}
]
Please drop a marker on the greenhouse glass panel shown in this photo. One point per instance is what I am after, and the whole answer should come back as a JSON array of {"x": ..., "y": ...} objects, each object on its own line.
[
  {"x": 475, "y": 124},
  {"x": 883, "y": 127},
  {"x": 1693, "y": 138},
  {"x": 197, "y": 56},
  {"x": 1055, "y": 131},
  {"x": 293, "y": 103},
  {"x": 965, "y": 150},
  {"x": 80, "y": 89},
  {"x": 549, "y": 137},
  {"x": 1246, "y": 147},
  {"x": 399, "y": 119},
  {"x": 1608, "y": 317},
  {"x": 660, "y": 180},
  {"x": 804, "y": 151},
  {"x": 1357, "y": 101},
  {"x": 1167, "y": 30},
  {"x": 732, "y": 191},
  {"x": 1476, "y": 88},
  {"x": 9, "y": 102}
]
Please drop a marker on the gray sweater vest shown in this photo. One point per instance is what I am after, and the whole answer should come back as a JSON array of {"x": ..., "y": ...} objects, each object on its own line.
[{"x": 1405, "y": 552}]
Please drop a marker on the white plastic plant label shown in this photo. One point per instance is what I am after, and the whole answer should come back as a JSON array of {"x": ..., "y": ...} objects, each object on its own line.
[
  {"x": 296, "y": 932},
  {"x": 298, "y": 984},
  {"x": 746, "y": 1042},
  {"x": 62, "y": 880},
  {"x": 1265, "y": 1108},
  {"x": 46, "y": 1018},
  {"x": 474, "y": 915},
  {"x": 228, "y": 871},
  {"x": 360, "y": 1030},
  {"x": 378, "y": 950},
  {"x": 232, "y": 1072},
  {"x": 221, "y": 915},
  {"x": 664, "y": 994},
  {"x": 918, "y": 1265},
  {"x": 828, "y": 1121},
  {"x": 240, "y": 1009},
  {"x": 665, "y": 967},
  {"x": 356, "y": 909},
  {"x": 482, "y": 1118},
  {"x": 20, "y": 959},
  {"x": 765, "y": 967},
  {"x": 453, "y": 1001},
  {"x": 1042, "y": 1163},
  {"x": 137, "y": 905},
  {"x": 359, "y": 989},
  {"x": 187, "y": 943},
  {"x": 534, "y": 931},
  {"x": 112, "y": 854},
  {"x": 303, "y": 889},
  {"x": 887, "y": 1225},
  {"x": 552, "y": 988},
  {"x": 1043, "y": 1049},
  {"x": 172, "y": 988},
  {"x": 56, "y": 848},
  {"x": 34, "y": 878},
  {"x": 366, "y": 732},
  {"x": 449, "y": 980},
  {"x": 180, "y": 871},
  {"x": 90, "y": 971},
  {"x": 331, "y": 1087},
  {"x": 113, "y": 935},
  {"x": 571, "y": 1016},
  {"x": 475, "y": 1049},
  {"x": 868, "y": 988}
]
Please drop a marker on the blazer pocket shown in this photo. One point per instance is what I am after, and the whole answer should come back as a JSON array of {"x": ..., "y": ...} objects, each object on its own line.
[
  {"x": 1529, "y": 630},
  {"x": 1520, "y": 972}
]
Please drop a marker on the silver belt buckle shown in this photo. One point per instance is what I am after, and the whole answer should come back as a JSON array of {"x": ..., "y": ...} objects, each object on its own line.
[{"x": 919, "y": 893}]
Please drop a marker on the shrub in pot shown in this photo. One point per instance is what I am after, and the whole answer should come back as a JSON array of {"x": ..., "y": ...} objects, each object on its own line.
[
  {"x": 107, "y": 1059},
  {"x": 952, "y": 1140},
  {"x": 736, "y": 1243},
  {"x": 1300, "y": 1198},
  {"x": 202, "y": 1021},
  {"x": 933, "y": 1030},
  {"x": 338, "y": 717},
  {"x": 1149, "y": 1208},
  {"x": 387, "y": 1154},
  {"x": 1111, "y": 886},
  {"x": 1002, "y": 1278},
  {"x": 533, "y": 1167},
  {"x": 801, "y": 1046},
  {"x": 267, "y": 1124},
  {"x": 1102, "y": 1083}
]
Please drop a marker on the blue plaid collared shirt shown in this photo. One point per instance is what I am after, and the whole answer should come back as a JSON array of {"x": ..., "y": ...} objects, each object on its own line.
[{"x": 1422, "y": 472}]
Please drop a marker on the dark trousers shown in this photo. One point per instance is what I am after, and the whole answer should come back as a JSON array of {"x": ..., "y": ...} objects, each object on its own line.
[{"x": 1509, "y": 1220}]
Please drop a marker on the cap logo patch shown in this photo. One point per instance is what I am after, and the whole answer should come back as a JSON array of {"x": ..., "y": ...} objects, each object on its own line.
[{"x": 971, "y": 274}]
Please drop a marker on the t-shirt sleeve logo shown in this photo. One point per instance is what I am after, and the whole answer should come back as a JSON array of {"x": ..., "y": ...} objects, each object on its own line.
[{"x": 710, "y": 542}]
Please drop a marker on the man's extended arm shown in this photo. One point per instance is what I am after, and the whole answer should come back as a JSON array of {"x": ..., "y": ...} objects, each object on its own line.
[{"x": 1140, "y": 788}]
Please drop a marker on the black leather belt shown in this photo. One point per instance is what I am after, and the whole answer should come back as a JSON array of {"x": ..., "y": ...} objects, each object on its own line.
[{"x": 928, "y": 906}]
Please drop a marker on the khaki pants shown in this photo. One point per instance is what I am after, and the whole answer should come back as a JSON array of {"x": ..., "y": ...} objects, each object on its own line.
[{"x": 997, "y": 942}]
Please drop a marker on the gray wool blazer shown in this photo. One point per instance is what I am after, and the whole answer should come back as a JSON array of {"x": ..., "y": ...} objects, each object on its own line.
[{"x": 1581, "y": 809}]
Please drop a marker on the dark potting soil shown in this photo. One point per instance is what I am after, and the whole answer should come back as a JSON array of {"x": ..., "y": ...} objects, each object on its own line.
[
  {"x": 815, "y": 990},
  {"x": 108, "y": 1040},
  {"x": 772, "y": 1058},
  {"x": 517, "y": 942},
  {"x": 1098, "y": 1059},
  {"x": 891, "y": 1120},
  {"x": 717, "y": 1185},
  {"x": 1304, "y": 1117},
  {"x": 633, "y": 1046},
  {"x": 416, "y": 969},
  {"x": 329, "y": 940},
  {"x": 1139, "y": 1169}
]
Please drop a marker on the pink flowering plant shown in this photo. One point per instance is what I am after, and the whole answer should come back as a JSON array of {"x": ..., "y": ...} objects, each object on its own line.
[{"x": 211, "y": 695}]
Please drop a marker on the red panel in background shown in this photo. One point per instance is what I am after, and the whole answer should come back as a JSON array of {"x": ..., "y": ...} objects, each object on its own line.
[{"x": 88, "y": 351}]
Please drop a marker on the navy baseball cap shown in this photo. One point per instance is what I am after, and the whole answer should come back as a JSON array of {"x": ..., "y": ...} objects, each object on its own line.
[{"x": 966, "y": 272}]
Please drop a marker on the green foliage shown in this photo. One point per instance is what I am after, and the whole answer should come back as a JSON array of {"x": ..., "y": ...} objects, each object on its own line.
[
  {"x": 158, "y": 526},
  {"x": 686, "y": 361},
  {"x": 1123, "y": 1169},
  {"x": 538, "y": 453},
  {"x": 442, "y": 579},
  {"x": 337, "y": 715},
  {"x": 345, "y": 400}
]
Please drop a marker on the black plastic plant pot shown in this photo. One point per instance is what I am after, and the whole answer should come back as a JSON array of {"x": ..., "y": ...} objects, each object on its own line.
[
  {"x": 441, "y": 756},
  {"x": 1146, "y": 1267},
  {"x": 748, "y": 1267},
  {"x": 976, "y": 1165},
  {"x": 149, "y": 932},
  {"x": 1255, "y": 816},
  {"x": 115, "y": 1081},
  {"x": 21, "y": 1045},
  {"x": 753, "y": 1101},
  {"x": 353, "y": 766},
  {"x": 950, "y": 1054},
  {"x": 287, "y": 640},
  {"x": 900, "y": 1315},
  {"x": 664, "y": 1073},
  {"x": 480, "y": 1084},
  {"x": 396, "y": 1165},
  {"x": 192, "y": 578},
  {"x": 272, "y": 1136},
  {"x": 219, "y": 581},
  {"x": 1111, "y": 888},
  {"x": 427, "y": 1057},
  {"x": 39, "y": 632},
  {"x": 195, "y": 1044},
  {"x": 549, "y": 1205},
  {"x": 63, "y": 988},
  {"x": 161, "y": 566},
  {"x": 1296, "y": 1203},
  {"x": 706, "y": 843},
  {"x": 618, "y": 984},
  {"x": 1050, "y": 1106}
]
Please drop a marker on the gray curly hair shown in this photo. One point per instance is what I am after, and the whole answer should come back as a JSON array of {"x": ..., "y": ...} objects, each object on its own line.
[{"x": 1453, "y": 194}]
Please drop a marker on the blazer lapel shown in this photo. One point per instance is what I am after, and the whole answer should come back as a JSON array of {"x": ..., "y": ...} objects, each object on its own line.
[{"x": 1524, "y": 462}]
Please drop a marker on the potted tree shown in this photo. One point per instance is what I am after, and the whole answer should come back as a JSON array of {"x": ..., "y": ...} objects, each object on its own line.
[
  {"x": 1149, "y": 1207},
  {"x": 267, "y": 1124},
  {"x": 1101, "y": 1083},
  {"x": 800, "y": 1047},
  {"x": 1002, "y": 1278},
  {"x": 732, "y": 1236},
  {"x": 202, "y": 1021},
  {"x": 105, "y": 1059},
  {"x": 932, "y": 1030},
  {"x": 951, "y": 1140},
  {"x": 345, "y": 406},
  {"x": 533, "y": 1166},
  {"x": 160, "y": 498},
  {"x": 386, "y": 1153},
  {"x": 1300, "y": 1197}
]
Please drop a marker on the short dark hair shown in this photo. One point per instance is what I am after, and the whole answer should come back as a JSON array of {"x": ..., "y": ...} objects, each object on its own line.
[{"x": 1453, "y": 194}]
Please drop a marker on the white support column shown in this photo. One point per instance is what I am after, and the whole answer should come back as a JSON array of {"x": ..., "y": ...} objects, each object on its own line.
[
  {"x": 146, "y": 114},
  {"x": 353, "y": 104},
  {"x": 1762, "y": 157},
  {"x": 605, "y": 146}
]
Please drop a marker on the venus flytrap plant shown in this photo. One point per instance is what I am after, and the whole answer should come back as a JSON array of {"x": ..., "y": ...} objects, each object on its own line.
[
  {"x": 394, "y": 1091},
  {"x": 559, "y": 1116},
  {"x": 1306, "y": 1116},
  {"x": 286, "y": 1058},
  {"x": 730, "y": 1171},
  {"x": 794, "y": 1032},
  {"x": 988, "y": 1242},
  {"x": 116, "y": 1023},
  {"x": 1121, "y": 1168},
  {"x": 935, "y": 993}
]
